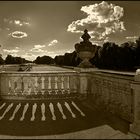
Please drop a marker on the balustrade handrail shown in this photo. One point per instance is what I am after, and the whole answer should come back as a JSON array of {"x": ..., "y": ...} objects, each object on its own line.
[
  {"x": 37, "y": 72},
  {"x": 115, "y": 72}
]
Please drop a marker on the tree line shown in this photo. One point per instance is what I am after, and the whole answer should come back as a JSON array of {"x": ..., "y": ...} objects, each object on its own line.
[
  {"x": 123, "y": 57},
  {"x": 110, "y": 56},
  {"x": 13, "y": 60}
]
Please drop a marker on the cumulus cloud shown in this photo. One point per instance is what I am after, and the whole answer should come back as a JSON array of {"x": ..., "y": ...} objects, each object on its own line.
[
  {"x": 17, "y": 22},
  {"x": 131, "y": 37},
  {"x": 18, "y": 34},
  {"x": 10, "y": 51},
  {"x": 20, "y": 23},
  {"x": 38, "y": 48},
  {"x": 29, "y": 56},
  {"x": 101, "y": 20},
  {"x": 59, "y": 52},
  {"x": 53, "y": 42}
]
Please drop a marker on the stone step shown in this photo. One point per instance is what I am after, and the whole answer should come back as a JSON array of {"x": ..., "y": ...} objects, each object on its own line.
[
  {"x": 121, "y": 135},
  {"x": 134, "y": 135},
  {"x": 100, "y": 132}
]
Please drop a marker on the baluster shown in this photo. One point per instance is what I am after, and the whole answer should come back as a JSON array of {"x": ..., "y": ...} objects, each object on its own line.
[
  {"x": 43, "y": 79},
  {"x": 36, "y": 85},
  {"x": 62, "y": 84},
  {"x": 56, "y": 86},
  {"x": 29, "y": 88},
  {"x": 43, "y": 85},
  {"x": 22, "y": 86},
  {"x": 56, "y": 78},
  {"x": 68, "y": 84},
  {"x": 15, "y": 87},
  {"x": 9, "y": 87},
  {"x": 49, "y": 84},
  {"x": 25, "y": 86}
]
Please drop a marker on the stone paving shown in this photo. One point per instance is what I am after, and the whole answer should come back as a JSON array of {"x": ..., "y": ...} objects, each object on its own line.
[
  {"x": 100, "y": 132},
  {"x": 54, "y": 119},
  {"x": 50, "y": 68},
  {"x": 50, "y": 116},
  {"x": 34, "y": 68}
]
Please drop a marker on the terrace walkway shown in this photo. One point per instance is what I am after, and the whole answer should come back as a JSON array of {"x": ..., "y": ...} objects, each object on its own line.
[{"x": 35, "y": 68}]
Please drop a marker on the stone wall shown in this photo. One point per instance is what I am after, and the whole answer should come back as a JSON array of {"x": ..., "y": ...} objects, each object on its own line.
[
  {"x": 113, "y": 93},
  {"x": 135, "y": 126}
]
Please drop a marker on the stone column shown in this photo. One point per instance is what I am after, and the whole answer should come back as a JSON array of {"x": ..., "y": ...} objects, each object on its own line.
[{"x": 135, "y": 126}]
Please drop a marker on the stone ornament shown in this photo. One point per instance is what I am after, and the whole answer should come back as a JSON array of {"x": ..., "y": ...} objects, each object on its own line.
[{"x": 85, "y": 50}]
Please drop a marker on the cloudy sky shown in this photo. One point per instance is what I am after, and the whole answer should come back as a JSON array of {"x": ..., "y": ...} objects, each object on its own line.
[{"x": 36, "y": 28}]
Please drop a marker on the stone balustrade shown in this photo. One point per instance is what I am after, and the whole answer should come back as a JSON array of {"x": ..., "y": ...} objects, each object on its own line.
[{"x": 38, "y": 85}]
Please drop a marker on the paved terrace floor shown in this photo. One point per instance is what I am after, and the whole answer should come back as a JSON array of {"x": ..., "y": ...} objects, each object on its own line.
[
  {"x": 86, "y": 123},
  {"x": 51, "y": 68},
  {"x": 35, "y": 68}
]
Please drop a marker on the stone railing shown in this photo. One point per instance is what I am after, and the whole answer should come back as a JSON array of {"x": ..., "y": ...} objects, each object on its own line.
[{"x": 39, "y": 85}]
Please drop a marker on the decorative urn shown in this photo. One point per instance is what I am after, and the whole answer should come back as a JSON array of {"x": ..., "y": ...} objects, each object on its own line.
[{"x": 85, "y": 50}]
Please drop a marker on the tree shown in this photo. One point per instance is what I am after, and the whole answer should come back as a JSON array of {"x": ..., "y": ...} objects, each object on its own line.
[
  {"x": 137, "y": 52},
  {"x": 1, "y": 60},
  {"x": 127, "y": 55},
  {"x": 9, "y": 59},
  {"x": 59, "y": 60},
  {"x": 15, "y": 60},
  {"x": 106, "y": 55},
  {"x": 68, "y": 59},
  {"x": 44, "y": 60}
]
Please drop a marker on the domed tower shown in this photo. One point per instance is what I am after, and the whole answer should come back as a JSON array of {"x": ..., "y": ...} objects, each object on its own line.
[{"x": 85, "y": 50}]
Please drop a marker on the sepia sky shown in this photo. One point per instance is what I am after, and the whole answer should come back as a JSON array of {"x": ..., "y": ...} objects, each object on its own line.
[{"x": 36, "y": 28}]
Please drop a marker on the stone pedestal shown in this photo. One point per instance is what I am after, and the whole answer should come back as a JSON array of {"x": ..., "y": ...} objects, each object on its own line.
[
  {"x": 135, "y": 126},
  {"x": 84, "y": 87}
]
